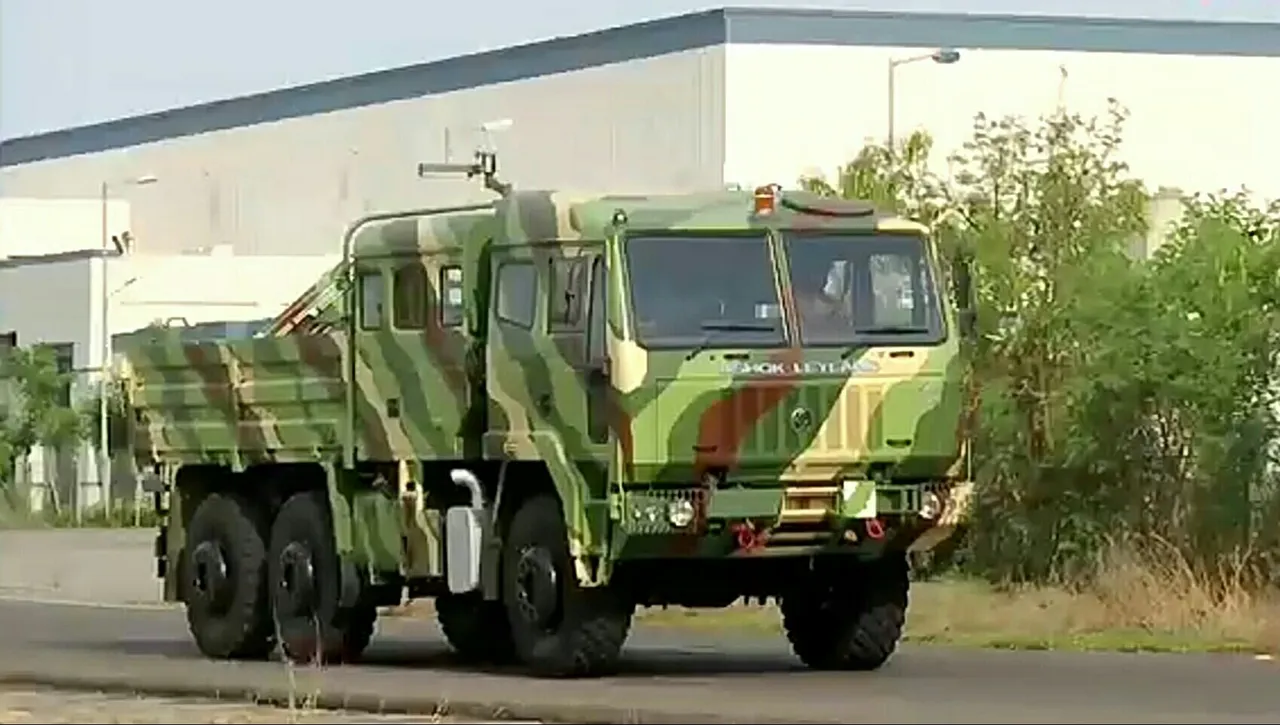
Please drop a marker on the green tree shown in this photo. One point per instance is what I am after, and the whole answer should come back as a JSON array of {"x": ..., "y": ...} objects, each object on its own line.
[
  {"x": 1118, "y": 398},
  {"x": 33, "y": 410}
]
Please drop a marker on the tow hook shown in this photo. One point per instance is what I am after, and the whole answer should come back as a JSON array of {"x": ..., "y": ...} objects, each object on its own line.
[
  {"x": 875, "y": 529},
  {"x": 749, "y": 538}
]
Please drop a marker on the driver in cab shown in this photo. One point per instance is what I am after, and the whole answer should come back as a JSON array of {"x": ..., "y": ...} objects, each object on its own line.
[{"x": 824, "y": 303}]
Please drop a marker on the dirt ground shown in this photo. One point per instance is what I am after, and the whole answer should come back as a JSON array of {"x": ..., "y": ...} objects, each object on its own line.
[{"x": 31, "y": 705}]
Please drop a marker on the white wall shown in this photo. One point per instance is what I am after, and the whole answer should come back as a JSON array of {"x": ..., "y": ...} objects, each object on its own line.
[
  {"x": 61, "y": 301},
  {"x": 291, "y": 187},
  {"x": 51, "y": 226},
  {"x": 49, "y": 302},
  {"x": 202, "y": 289},
  {"x": 1198, "y": 123}
]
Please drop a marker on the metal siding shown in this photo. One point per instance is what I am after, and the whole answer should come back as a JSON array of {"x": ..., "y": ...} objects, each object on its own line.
[
  {"x": 778, "y": 26},
  {"x": 290, "y": 187},
  {"x": 804, "y": 26},
  {"x": 521, "y": 62},
  {"x": 50, "y": 302}
]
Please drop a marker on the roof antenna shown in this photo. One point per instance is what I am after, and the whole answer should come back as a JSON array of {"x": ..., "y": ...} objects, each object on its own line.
[{"x": 485, "y": 164}]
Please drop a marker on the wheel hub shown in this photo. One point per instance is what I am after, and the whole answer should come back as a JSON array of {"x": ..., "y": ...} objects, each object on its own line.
[
  {"x": 210, "y": 580},
  {"x": 538, "y": 586},
  {"x": 296, "y": 589}
]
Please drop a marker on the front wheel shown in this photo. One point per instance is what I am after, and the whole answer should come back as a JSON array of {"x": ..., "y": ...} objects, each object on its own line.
[
  {"x": 477, "y": 629},
  {"x": 559, "y": 628},
  {"x": 306, "y": 587},
  {"x": 849, "y": 619}
]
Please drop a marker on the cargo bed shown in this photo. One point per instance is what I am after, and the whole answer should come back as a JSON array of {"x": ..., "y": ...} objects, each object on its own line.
[{"x": 237, "y": 402}]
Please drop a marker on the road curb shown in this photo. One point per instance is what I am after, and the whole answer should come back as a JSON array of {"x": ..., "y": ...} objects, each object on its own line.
[{"x": 333, "y": 697}]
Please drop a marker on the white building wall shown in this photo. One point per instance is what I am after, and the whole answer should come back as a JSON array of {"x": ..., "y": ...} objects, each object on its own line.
[
  {"x": 61, "y": 301},
  {"x": 1196, "y": 122},
  {"x": 50, "y": 302},
  {"x": 52, "y": 226},
  {"x": 290, "y": 187}
]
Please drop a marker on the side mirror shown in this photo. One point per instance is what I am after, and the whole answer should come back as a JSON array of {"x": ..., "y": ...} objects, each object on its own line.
[
  {"x": 968, "y": 322},
  {"x": 967, "y": 313}
]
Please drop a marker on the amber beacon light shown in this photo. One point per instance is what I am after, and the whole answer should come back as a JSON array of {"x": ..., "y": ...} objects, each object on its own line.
[{"x": 766, "y": 198}]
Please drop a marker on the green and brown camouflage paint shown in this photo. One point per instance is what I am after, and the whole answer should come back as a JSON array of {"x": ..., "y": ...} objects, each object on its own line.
[{"x": 438, "y": 381}]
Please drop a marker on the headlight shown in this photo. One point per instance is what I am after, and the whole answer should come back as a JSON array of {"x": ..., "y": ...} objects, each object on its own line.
[
  {"x": 930, "y": 505},
  {"x": 680, "y": 513}
]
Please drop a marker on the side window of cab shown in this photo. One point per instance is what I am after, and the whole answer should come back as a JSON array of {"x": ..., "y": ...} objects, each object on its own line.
[{"x": 372, "y": 289}]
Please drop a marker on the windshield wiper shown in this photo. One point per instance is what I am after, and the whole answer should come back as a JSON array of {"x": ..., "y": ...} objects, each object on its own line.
[
  {"x": 713, "y": 327},
  {"x": 883, "y": 330},
  {"x": 892, "y": 330}
]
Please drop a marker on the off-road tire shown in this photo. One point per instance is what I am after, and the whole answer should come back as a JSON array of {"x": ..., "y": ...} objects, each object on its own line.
[
  {"x": 236, "y": 624},
  {"x": 585, "y": 639},
  {"x": 478, "y": 630},
  {"x": 850, "y": 620},
  {"x": 319, "y": 631}
]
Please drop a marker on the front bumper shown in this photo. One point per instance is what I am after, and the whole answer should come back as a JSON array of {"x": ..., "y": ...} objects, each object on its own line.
[{"x": 852, "y": 516}]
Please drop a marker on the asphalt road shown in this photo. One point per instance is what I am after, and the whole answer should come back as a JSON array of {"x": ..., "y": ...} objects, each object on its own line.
[{"x": 667, "y": 677}]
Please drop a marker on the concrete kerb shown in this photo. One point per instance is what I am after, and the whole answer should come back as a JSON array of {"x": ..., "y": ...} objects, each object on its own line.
[{"x": 229, "y": 683}]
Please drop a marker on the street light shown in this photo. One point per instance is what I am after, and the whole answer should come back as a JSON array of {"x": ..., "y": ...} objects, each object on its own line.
[
  {"x": 104, "y": 409},
  {"x": 942, "y": 56}
]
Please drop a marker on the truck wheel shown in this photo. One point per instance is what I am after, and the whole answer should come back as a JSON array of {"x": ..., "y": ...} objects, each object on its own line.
[
  {"x": 851, "y": 620},
  {"x": 477, "y": 630},
  {"x": 306, "y": 586},
  {"x": 560, "y": 629},
  {"x": 224, "y": 579}
]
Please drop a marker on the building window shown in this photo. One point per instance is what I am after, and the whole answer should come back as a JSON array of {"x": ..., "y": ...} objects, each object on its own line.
[
  {"x": 373, "y": 295},
  {"x": 517, "y": 293},
  {"x": 64, "y": 356},
  {"x": 451, "y": 295},
  {"x": 410, "y": 297},
  {"x": 565, "y": 303}
]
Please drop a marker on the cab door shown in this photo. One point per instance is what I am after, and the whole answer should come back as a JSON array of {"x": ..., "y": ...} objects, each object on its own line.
[{"x": 548, "y": 372}]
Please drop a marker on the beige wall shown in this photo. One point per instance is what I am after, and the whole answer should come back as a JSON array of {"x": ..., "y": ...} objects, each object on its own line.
[{"x": 290, "y": 187}]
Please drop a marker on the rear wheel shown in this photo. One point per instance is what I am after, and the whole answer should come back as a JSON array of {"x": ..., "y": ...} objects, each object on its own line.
[
  {"x": 306, "y": 587},
  {"x": 477, "y": 630},
  {"x": 560, "y": 629},
  {"x": 849, "y": 619},
  {"x": 224, "y": 579}
]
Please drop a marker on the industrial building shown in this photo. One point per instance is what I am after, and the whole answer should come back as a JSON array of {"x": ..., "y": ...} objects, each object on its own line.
[
  {"x": 267, "y": 182},
  {"x": 734, "y": 95}
]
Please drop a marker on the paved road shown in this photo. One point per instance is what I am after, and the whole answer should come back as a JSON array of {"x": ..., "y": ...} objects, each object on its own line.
[
  {"x": 48, "y": 707},
  {"x": 668, "y": 677}
]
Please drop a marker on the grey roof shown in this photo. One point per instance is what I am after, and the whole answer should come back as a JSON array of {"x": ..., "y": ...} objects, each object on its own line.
[{"x": 667, "y": 35}]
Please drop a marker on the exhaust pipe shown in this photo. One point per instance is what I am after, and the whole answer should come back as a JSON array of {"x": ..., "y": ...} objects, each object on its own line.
[{"x": 467, "y": 479}]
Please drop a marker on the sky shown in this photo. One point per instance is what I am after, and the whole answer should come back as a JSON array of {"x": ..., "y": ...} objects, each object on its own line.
[{"x": 71, "y": 62}]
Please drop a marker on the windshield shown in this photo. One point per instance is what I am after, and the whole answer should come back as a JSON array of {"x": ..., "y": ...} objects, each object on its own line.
[
  {"x": 703, "y": 291},
  {"x": 863, "y": 289}
]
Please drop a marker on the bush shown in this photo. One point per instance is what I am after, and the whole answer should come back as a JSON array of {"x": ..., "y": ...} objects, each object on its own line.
[{"x": 1120, "y": 398}]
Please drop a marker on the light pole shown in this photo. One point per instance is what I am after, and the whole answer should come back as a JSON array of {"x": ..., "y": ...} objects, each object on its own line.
[
  {"x": 104, "y": 386},
  {"x": 942, "y": 56}
]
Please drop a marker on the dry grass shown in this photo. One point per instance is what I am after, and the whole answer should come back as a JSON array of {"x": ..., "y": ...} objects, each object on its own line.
[
  {"x": 1141, "y": 602},
  {"x": 1151, "y": 601}
]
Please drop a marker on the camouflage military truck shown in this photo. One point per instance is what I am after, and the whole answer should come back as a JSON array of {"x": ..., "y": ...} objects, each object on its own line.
[{"x": 546, "y": 410}]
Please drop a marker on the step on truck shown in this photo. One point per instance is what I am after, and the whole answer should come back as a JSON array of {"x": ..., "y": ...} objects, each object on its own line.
[{"x": 548, "y": 409}]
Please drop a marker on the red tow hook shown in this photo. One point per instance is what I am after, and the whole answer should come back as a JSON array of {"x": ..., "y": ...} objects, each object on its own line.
[
  {"x": 875, "y": 529},
  {"x": 748, "y": 538}
]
